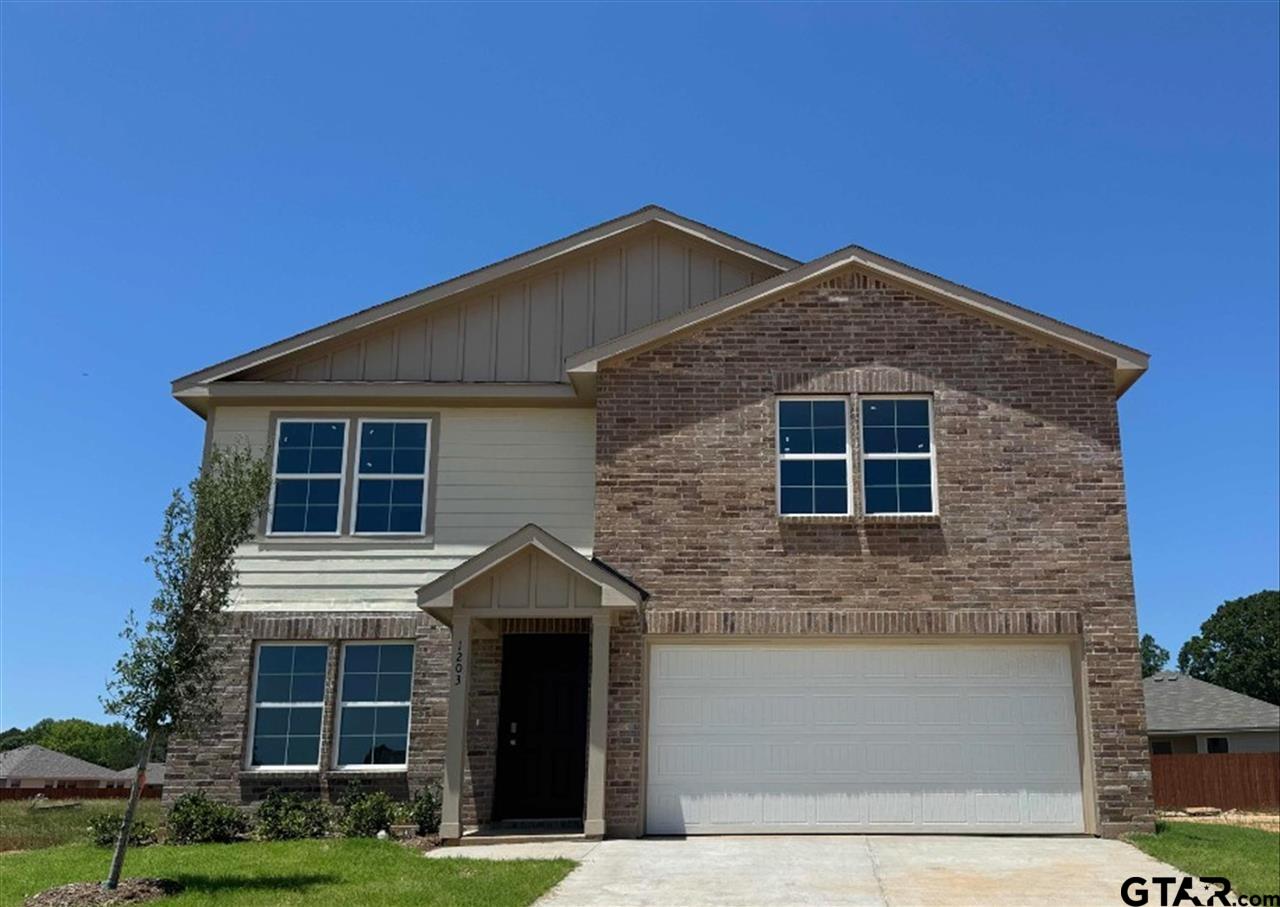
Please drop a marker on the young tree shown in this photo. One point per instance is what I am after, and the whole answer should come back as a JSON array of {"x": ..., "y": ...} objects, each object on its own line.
[
  {"x": 164, "y": 681},
  {"x": 1238, "y": 647},
  {"x": 1154, "y": 655}
]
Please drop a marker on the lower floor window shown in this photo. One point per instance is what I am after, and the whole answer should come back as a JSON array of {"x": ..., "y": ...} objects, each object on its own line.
[
  {"x": 288, "y": 705},
  {"x": 373, "y": 717}
]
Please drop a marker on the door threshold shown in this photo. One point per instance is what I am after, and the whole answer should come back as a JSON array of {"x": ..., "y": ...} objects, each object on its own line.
[{"x": 524, "y": 831}]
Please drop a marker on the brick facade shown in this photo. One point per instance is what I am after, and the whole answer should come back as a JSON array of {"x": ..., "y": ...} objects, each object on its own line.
[
  {"x": 214, "y": 763},
  {"x": 1031, "y": 537}
]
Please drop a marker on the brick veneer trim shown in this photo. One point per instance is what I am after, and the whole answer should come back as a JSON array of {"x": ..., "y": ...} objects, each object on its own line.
[{"x": 826, "y": 623}]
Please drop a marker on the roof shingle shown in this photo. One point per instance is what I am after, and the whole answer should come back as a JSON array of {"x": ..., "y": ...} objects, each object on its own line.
[
  {"x": 34, "y": 761},
  {"x": 1179, "y": 703}
]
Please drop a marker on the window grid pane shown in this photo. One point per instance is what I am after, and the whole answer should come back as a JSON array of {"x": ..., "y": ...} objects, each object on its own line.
[
  {"x": 302, "y": 504},
  {"x": 813, "y": 451},
  {"x": 897, "y": 457},
  {"x": 374, "y": 717},
  {"x": 288, "y": 705},
  {"x": 391, "y": 480}
]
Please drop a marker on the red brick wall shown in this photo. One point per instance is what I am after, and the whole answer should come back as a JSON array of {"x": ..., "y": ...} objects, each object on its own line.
[{"x": 1031, "y": 497}]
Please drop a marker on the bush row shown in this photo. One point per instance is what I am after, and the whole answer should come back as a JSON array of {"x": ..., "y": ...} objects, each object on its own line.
[{"x": 196, "y": 819}]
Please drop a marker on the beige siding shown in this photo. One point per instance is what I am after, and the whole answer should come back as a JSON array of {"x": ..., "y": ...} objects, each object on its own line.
[
  {"x": 522, "y": 329},
  {"x": 497, "y": 470}
]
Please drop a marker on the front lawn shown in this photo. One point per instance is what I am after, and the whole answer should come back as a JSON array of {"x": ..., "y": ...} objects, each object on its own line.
[
  {"x": 24, "y": 828},
  {"x": 329, "y": 871},
  {"x": 1249, "y": 857}
]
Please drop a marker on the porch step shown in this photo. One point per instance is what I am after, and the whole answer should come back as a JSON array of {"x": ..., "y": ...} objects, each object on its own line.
[{"x": 522, "y": 833}]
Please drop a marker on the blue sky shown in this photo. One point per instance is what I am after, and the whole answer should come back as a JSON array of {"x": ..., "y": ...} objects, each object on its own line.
[{"x": 184, "y": 182}]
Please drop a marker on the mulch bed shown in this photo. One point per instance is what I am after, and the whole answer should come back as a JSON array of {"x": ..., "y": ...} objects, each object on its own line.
[{"x": 92, "y": 894}]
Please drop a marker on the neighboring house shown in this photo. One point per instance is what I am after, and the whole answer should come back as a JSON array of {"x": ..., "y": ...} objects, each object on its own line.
[
  {"x": 152, "y": 775},
  {"x": 1186, "y": 715},
  {"x": 658, "y": 530},
  {"x": 33, "y": 766}
]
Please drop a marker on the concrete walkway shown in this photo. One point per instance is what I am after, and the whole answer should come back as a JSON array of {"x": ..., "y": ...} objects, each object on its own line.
[{"x": 876, "y": 871}]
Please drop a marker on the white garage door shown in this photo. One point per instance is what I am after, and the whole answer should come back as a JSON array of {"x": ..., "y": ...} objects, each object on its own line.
[{"x": 862, "y": 737}]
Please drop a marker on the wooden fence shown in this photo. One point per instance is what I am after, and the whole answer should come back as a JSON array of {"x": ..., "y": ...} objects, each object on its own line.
[
  {"x": 1224, "y": 780},
  {"x": 150, "y": 792}
]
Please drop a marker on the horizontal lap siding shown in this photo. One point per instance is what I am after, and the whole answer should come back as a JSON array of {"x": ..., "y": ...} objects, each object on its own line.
[{"x": 497, "y": 470}]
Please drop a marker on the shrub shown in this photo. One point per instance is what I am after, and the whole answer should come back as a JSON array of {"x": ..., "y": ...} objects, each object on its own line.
[
  {"x": 424, "y": 809},
  {"x": 285, "y": 817},
  {"x": 105, "y": 827},
  {"x": 364, "y": 815},
  {"x": 195, "y": 819}
]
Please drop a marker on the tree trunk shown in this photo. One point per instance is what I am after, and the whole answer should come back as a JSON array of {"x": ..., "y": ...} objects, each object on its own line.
[{"x": 126, "y": 826}]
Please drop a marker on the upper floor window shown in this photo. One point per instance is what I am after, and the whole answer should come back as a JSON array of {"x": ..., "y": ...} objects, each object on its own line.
[
  {"x": 288, "y": 703},
  {"x": 813, "y": 457},
  {"x": 391, "y": 477},
  {"x": 898, "y": 475},
  {"x": 310, "y": 464},
  {"x": 373, "y": 709}
]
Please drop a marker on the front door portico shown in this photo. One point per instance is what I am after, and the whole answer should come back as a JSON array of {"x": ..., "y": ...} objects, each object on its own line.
[{"x": 531, "y": 597}]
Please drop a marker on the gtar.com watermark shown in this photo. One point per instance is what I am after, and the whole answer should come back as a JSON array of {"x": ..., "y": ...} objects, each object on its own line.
[{"x": 1187, "y": 891}]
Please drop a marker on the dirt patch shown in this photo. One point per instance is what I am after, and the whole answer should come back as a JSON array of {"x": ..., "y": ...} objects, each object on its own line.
[
  {"x": 92, "y": 894},
  {"x": 1262, "y": 820},
  {"x": 420, "y": 843}
]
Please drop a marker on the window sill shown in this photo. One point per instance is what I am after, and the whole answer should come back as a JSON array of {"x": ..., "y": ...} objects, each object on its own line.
[
  {"x": 267, "y": 772},
  {"x": 374, "y": 771},
  {"x": 304, "y": 542},
  {"x": 903, "y": 519},
  {"x": 826, "y": 519},
  {"x": 871, "y": 519}
]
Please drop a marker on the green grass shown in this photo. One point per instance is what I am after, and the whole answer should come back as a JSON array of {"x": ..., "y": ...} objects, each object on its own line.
[
  {"x": 24, "y": 828},
  {"x": 1249, "y": 857},
  {"x": 331, "y": 871}
]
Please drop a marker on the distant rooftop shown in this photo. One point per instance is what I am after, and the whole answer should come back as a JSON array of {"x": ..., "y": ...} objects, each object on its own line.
[
  {"x": 1177, "y": 703},
  {"x": 154, "y": 773},
  {"x": 34, "y": 761}
]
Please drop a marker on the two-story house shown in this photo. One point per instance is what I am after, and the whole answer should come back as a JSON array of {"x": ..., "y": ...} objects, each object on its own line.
[{"x": 660, "y": 531}]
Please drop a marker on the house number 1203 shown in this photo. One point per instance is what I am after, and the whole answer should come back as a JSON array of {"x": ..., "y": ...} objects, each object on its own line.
[{"x": 457, "y": 666}]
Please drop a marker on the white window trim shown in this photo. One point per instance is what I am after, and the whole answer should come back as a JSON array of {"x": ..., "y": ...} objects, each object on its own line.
[
  {"x": 339, "y": 702},
  {"x": 340, "y": 476},
  {"x": 931, "y": 456},
  {"x": 355, "y": 477},
  {"x": 847, "y": 456},
  {"x": 254, "y": 705}
]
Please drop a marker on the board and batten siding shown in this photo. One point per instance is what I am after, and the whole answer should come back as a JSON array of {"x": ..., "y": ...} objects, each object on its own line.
[
  {"x": 522, "y": 329},
  {"x": 497, "y": 469}
]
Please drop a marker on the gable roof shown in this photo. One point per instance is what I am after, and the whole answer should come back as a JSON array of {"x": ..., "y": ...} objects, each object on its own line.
[
  {"x": 438, "y": 593},
  {"x": 650, "y": 214},
  {"x": 1129, "y": 363},
  {"x": 1178, "y": 703},
  {"x": 35, "y": 761}
]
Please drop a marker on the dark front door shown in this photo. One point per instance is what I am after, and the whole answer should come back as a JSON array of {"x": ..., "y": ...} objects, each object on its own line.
[{"x": 542, "y": 727}]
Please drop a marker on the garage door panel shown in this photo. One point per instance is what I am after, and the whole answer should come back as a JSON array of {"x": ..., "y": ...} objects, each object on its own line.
[{"x": 866, "y": 738}]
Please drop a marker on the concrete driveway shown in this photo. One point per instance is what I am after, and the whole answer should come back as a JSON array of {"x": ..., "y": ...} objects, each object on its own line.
[{"x": 829, "y": 870}]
